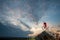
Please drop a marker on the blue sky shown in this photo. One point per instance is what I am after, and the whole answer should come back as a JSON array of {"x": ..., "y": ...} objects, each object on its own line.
[{"x": 24, "y": 13}]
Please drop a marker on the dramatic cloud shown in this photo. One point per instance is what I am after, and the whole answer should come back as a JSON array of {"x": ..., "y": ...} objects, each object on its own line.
[{"x": 28, "y": 15}]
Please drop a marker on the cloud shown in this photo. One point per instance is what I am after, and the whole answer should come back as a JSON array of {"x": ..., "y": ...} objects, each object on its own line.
[
  {"x": 12, "y": 17},
  {"x": 15, "y": 17},
  {"x": 36, "y": 29},
  {"x": 26, "y": 15}
]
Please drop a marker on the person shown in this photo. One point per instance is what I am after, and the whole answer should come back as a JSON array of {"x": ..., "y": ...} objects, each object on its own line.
[{"x": 45, "y": 25}]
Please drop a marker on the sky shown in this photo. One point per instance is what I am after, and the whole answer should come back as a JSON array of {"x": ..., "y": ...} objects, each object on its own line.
[{"x": 19, "y": 17}]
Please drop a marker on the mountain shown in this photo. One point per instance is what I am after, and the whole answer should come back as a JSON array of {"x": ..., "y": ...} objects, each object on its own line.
[{"x": 44, "y": 36}]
